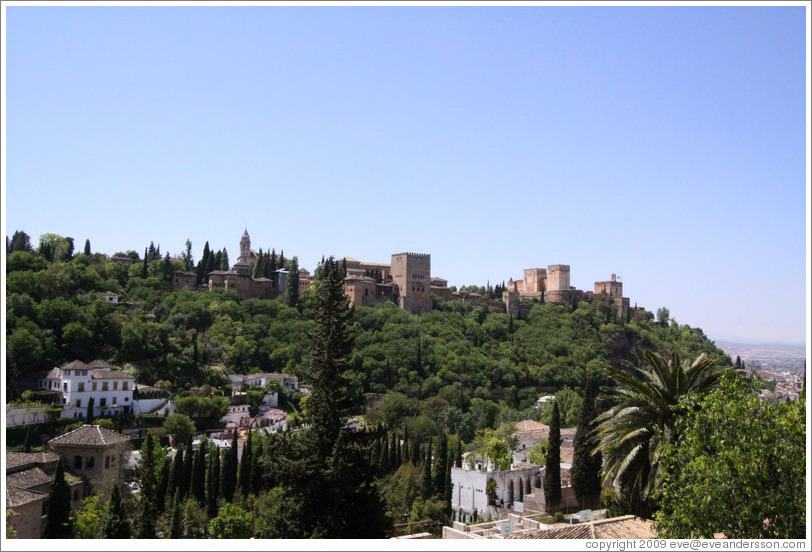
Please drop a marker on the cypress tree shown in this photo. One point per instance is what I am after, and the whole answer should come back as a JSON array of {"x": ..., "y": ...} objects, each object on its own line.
[
  {"x": 458, "y": 455},
  {"x": 440, "y": 461},
  {"x": 280, "y": 264},
  {"x": 521, "y": 491},
  {"x": 188, "y": 464},
  {"x": 527, "y": 489},
  {"x": 147, "y": 511},
  {"x": 176, "y": 474},
  {"x": 175, "y": 526},
  {"x": 258, "y": 264},
  {"x": 91, "y": 403},
  {"x": 586, "y": 467},
  {"x": 144, "y": 267},
  {"x": 27, "y": 444},
  {"x": 163, "y": 483},
  {"x": 229, "y": 472},
  {"x": 273, "y": 260},
  {"x": 199, "y": 474},
  {"x": 427, "y": 483},
  {"x": 211, "y": 264},
  {"x": 256, "y": 473},
  {"x": 552, "y": 477},
  {"x": 115, "y": 523},
  {"x": 58, "y": 524},
  {"x": 447, "y": 489},
  {"x": 293, "y": 283},
  {"x": 224, "y": 264},
  {"x": 87, "y": 247},
  {"x": 244, "y": 480},
  {"x": 511, "y": 494},
  {"x": 213, "y": 487}
]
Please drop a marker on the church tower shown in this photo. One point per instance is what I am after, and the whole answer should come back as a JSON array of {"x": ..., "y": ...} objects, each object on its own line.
[{"x": 246, "y": 258}]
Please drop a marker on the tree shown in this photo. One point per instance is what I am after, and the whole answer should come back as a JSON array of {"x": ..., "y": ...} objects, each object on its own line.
[
  {"x": 332, "y": 396},
  {"x": 186, "y": 256},
  {"x": 144, "y": 273},
  {"x": 57, "y": 507},
  {"x": 87, "y": 247},
  {"x": 229, "y": 474},
  {"x": 116, "y": 524},
  {"x": 663, "y": 316},
  {"x": 244, "y": 479},
  {"x": 91, "y": 403},
  {"x": 180, "y": 427},
  {"x": 224, "y": 264},
  {"x": 586, "y": 466},
  {"x": 88, "y": 519},
  {"x": 552, "y": 473},
  {"x": 631, "y": 433},
  {"x": 737, "y": 467},
  {"x": 20, "y": 241},
  {"x": 440, "y": 461},
  {"x": 232, "y": 522},
  {"x": 147, "y": 509},
  {"x": 292, "y": 286},
  {"x": 199, "y": 473},
  {"x": 175, "y": 525}
]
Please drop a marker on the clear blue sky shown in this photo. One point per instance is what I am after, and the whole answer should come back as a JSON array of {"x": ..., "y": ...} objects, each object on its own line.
[{"x": 667, "y": 145}]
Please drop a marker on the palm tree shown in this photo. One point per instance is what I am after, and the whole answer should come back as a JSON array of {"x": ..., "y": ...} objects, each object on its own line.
[{"x": 632, "y": 433}]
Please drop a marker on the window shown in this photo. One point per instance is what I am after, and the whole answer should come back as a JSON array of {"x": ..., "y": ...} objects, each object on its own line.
[
  {"x": 114, "y": 400},
  {"x": 67, "y": 372},
  {"x": 103, "y": 401},
  {"x": 115, "y": 386},
  {"x": 81, "y": 387},
  {"x": 65, "y": 387},
  {"x": 91, "y": 462},
  {"x": 104, "y": 386},
  {"x": 77, "y": 462},
  {"x": 107, "y": 462},
  {"x": 78, "y": 403},
  {"x": 125, "y": 385},
  {"x": 94, "y": 386}
]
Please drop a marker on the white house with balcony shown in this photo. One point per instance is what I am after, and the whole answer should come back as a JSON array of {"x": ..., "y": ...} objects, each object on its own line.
[{"x": 111, "y": 390}]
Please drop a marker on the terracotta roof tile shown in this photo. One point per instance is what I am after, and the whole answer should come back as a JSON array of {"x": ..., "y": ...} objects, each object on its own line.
[
  {"x": 111, "y": 374},
  {"x": 19, "y": 459},
  {"x": 89, "y": 435},
  {"x": 28, "y": 478},
  {"x": 16, "y": 496},
  {"x": 624, "y": 527}
]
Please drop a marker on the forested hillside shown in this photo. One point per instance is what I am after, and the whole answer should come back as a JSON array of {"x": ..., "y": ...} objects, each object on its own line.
[{"x": 56, "y": 313}]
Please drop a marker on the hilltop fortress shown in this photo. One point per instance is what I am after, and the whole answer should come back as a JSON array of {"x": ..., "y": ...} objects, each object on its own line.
[{"x": 407, "y": 282}]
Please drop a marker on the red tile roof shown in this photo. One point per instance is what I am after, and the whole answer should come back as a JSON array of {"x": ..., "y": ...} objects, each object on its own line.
[
  {"x": 624, "y": 527},
  {"x": 91, "y": 436}
]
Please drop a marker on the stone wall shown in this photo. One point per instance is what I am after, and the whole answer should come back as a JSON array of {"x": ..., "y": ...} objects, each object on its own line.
[{"x": 412, "y": 274}]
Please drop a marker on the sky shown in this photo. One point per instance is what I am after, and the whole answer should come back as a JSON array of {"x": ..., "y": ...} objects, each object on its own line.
[{"x": 665, "y": 144}]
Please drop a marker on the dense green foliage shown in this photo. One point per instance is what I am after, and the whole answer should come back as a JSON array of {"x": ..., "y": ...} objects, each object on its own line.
[
  {"x": 738, "y": 467},
  {"x": 646, "y": 406},
  {"x": 58, "y": 523}
]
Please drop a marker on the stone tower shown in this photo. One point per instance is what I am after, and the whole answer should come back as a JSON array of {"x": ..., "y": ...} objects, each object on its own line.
[
  {"x": 245, "y": 261},
  {"x": 558, "y": 285},
  {"x": 412, "y": 274}
]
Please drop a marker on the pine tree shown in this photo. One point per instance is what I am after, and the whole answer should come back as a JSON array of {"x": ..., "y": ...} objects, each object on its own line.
[
  {"x": 552, "y": 477},
  {"x": 87, "y": 247},
  {"x": 58, "y": 523},
  {"x": 586, "y": 468},
  {"x": 116, "y": 523}
]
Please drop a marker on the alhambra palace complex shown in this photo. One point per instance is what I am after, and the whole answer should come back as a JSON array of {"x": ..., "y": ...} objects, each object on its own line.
[{"x": 407, "y": 282}]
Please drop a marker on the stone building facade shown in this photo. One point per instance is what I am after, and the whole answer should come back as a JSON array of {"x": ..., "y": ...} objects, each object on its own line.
[
  {"x": 239, "y": 276},
  {"x": 411, "y": 272},
  {"x": 92, "y": 452}
]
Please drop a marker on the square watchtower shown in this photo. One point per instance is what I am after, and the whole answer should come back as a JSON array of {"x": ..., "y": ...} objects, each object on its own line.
[{"x": 412, "y": 274}]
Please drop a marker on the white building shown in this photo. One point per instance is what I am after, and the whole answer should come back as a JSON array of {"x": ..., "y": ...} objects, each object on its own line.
[
  {"x": 469, "y": 494},
  {"x": 289, "y": 383},
  {"x": 111, "y": 390},
  {"x": 235, "y": 414}
]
